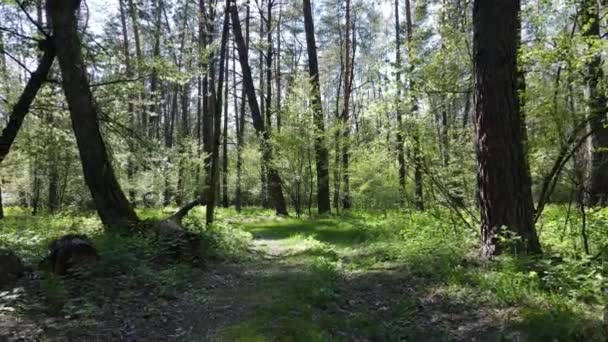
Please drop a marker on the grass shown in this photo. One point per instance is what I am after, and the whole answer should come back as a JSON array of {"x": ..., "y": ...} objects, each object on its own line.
[{"x": 390, "y": 276}]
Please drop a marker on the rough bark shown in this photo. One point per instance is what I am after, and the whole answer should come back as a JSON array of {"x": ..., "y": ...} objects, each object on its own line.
[
  {"x": 504, "y": 193},
  {"x": 275, "y": 182},
  {"x": 321, "y": 153},
  {"x": 110, "y": 201},
  {"x": 597, "y": 184}
]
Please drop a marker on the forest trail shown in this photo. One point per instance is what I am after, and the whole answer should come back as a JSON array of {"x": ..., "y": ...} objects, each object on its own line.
[
  {"x": 298, "y": 287},
  {"x": 302, "y": 280}
]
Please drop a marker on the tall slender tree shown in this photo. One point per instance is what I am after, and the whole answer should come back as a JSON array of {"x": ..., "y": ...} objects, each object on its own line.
[
  {"x": 416, "y": 150},
  {"x": 274, "y": 179},
  {"x": 322, "y": 156},
  {"x": 218, "y": 94},
  {"x": 504, "y": 192},
  {"x": 346, "y": 125},
  {"x": 398, "y": 109}
]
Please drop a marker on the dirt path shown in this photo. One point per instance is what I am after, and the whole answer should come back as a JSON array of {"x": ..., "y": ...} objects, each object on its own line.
[{"x": 281, "y": 292}]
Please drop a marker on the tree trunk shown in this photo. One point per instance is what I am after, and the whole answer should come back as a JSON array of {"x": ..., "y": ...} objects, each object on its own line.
[
  {"x": 322, "y": 159},
  {"x": 22, "y": 107},
  {"x": 154, "y": 96},
  {"x": 275, "y": 182},
  {"x": 138, "y": 56},
  {"x": 225, "y": 200},
  {"x": 241, "y": 124},
  {"x": 504, "y": 192},
  {"x": 110, "y": 201},
  {"x": 278, "y": 69},
  {"x": 215, "y": 157},
  {"x": 417, "y": 153},
  {"x": 597, "y": 185},
  {"x": 398, "y": 104},
  {"x": 53, "y": 172},
  {"x": 1, "y": 204},
  {"x": 346, "y": 199},
  {"x": 130, "y": 107}
]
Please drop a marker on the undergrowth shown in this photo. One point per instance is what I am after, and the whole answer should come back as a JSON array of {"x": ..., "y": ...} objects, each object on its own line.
[{"x": 363, "y": 274}]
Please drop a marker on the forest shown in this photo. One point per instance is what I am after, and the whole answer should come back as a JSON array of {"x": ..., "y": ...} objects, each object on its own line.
[{"x": 303, "y": 170}]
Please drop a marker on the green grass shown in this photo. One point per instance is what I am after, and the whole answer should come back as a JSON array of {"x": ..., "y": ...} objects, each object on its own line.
[{"x": 377, "y": 276}]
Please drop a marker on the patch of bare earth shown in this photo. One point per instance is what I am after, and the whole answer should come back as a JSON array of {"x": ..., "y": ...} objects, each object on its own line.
[{"x": 226, "y": 294}]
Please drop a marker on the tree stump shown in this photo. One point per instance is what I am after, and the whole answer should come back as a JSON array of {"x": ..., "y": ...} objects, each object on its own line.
[
  {"x": 69, "y": 253},
  {"x": 11, "y": 267},
  {"x": 176, "y": 242}
]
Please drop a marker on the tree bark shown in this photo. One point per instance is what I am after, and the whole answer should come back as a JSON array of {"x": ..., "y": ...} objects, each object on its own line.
[
  {"x": 597, "y": 184},
  {"x": 322, "y": 159},
  {"x": 504, "y": 192},
  {"x": 110, "y": 201},
  {"x": 275, "y": 182}
]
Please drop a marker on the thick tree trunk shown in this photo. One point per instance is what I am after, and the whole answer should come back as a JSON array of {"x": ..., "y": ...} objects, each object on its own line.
[
  {"x": 110, "y": 201},
  {"x": 504, "y": 192},
  {"x": 22, "y": 107},
  {"x": 322, "y": 159},
  {"x": 398, "y": 105},
  {"x": 597, "y": 184},
  {"x": 274, "y": 179}
]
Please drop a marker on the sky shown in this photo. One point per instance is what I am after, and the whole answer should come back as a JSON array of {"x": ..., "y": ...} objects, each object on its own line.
[{"x": 102, "y": 10}]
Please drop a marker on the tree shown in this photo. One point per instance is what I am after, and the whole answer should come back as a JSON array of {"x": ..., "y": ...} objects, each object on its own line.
[
  {"x": 111, "y": 203},
  {"x": 22, "y": 107},
  {"x": 215, "y": 156},
  {"x": 346, "y": 198},
  {"x": 274, "y": 179},
  {"x": 504, "y": 192},
  {"x": 400, "y": 138},
  {"x": 417, "y": 153},
  {"x": 322, "y": 161},
  {"x": 240, "y": 120},
  {"x": 597, "y": 187}
]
